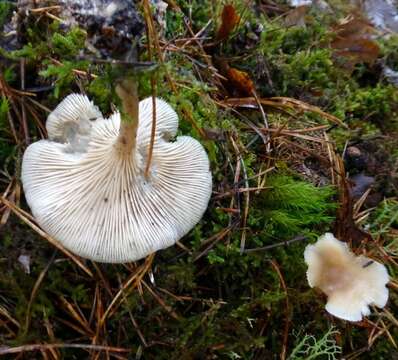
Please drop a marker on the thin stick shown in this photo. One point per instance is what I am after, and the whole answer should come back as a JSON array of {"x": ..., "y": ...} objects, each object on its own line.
[
  {"x": 213, "y": 240},
  {"x": 184, "y": 110},
  {"x": 34, "y": 347},
  {"x": 284, "y": 243},
  {"x": 150, "y": 32},
  {"x": 287, "y": 322},
  {"x": 153, "y": 129}
]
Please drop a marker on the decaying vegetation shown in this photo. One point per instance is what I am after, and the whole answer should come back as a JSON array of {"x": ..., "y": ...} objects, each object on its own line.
[{"x": 297, "y": 109}]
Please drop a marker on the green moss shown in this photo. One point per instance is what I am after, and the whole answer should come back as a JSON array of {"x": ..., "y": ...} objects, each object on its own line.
[
  {"x": 62, "y": 75},
  {"x": 5, "y": 11},
  {"x": 377, "y": 104},
  {"x": 211, "y": 300},
  {"x": 389, "y": 45},
  {"x": 69, "y": 44}
]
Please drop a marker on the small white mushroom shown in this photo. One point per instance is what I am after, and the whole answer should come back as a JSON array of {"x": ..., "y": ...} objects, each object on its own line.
[
  {"x": 351, "y": 282},
  {"x": 86, "y": 185}
]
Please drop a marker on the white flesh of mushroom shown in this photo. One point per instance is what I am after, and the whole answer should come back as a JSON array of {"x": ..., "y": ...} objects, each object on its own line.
[
  {"x": 351, "y": 283},
  {"x": 94, "y": 198}
]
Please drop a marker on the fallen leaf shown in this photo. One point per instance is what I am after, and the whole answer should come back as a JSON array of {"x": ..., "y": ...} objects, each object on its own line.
[
  {"x": 353, "y": 44},
  {"x": 229, "y": 19},
  {"x": 360, "y": 51},
  {"x": 353, "y": 25},
  {"x": 240, "y": 80}
]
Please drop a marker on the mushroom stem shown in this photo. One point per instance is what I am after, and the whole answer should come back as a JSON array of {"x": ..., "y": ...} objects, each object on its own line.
[{"x": 128, "y": 93}]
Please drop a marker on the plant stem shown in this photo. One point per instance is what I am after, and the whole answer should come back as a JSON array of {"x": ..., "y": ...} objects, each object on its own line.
[{"x": 128, "y": 93}]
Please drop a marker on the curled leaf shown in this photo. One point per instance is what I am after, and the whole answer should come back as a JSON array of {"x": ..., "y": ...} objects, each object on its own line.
[
  {"x": 353, "y": 43},
  {"x": 229, "y": 19},
  {"x": 240, "y": 80}
]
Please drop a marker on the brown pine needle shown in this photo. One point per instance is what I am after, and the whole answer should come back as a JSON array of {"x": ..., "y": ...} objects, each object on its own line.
[
  {"x": 134, "y": 280},
  {"x": 283, "y": 103},
  {"x": 153, "y": 129},
  {"x": 76, "y": 314},
  {"x": 161, "y": 301}
]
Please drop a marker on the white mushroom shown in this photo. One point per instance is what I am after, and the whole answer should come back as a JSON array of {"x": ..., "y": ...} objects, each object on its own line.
[
  {"x": 351, "y": 282},
  {"x": 86, "y": 185}
]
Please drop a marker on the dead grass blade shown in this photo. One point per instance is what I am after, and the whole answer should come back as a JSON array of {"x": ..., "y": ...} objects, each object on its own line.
[
  {"x": 287, "y": 310},
  {"x": 161, "y": 302},
  {"x": 153, "y": 128},
  {"x": 155, "y": 41},
  {"x": 345, "y": 226},
  {"x": 77, "y": 315},
  {"x": 5, "y": 313},
  {"x": 213, "y": 240},
  {"x": 283, "y": 104}
]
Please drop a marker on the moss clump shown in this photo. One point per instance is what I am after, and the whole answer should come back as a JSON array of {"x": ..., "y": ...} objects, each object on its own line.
[
  {"x": 208, "y": 297},
  {"x": 376, "y": 104},
  {"x": 294, "y": 207},
  {"x": 5, "y": 10}
]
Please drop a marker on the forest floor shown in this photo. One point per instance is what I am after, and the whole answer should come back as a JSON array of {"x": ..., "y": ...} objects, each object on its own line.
[{"x": 297, "y": 108}]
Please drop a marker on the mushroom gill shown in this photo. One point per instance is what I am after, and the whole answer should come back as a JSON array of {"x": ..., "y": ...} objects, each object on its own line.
[{"x": 86, "y": 185}]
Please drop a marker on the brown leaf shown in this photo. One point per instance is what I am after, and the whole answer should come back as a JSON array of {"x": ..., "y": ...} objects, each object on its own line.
[
  {"x": 358, "y": 51},
  {"x": 240, "y": 80},
  {"x": 230, "y": 19},
  {"x": 353, "y": 42},
  {"x": 354, "y": 25}
]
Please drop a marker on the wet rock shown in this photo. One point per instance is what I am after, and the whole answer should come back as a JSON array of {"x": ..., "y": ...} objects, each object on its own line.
[
  {"x": 391, "y": 75},
  {"x": 369, "y": 163},
  {"x": 355, "y": 160},
  {"x": 113, "y": 26},
  {"x": 361, "y": 183},
  {"x": 382, "y": 13},
  {"x": 8, "y": 35}
]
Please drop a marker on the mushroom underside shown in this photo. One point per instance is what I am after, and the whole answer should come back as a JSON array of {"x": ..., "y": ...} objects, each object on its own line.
[{"x": 100, "y": 205}]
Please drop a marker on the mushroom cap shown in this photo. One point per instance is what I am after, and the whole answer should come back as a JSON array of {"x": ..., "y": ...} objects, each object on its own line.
[
  {"x": 99, "y": 204},
  {"x": 351, "y": 282},
  {"x": 71, "y": 121}
]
